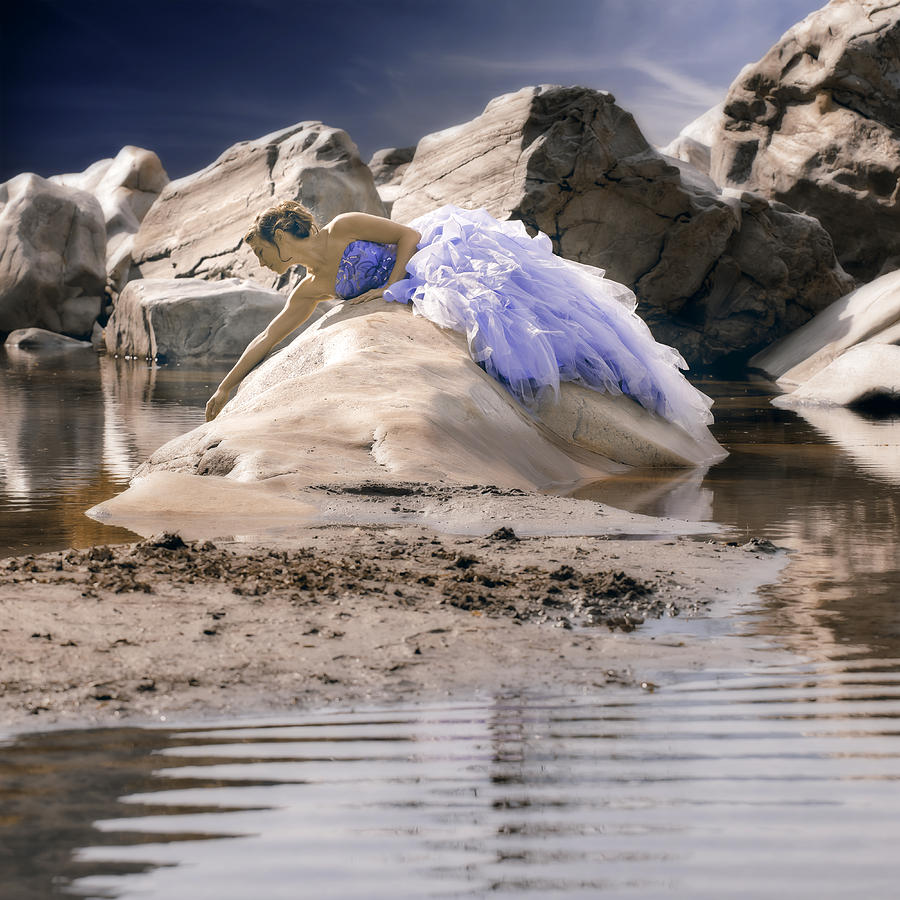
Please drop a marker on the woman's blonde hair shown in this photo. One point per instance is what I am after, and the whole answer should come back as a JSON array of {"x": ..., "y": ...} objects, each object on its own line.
[{"x": 289, "y": 215}]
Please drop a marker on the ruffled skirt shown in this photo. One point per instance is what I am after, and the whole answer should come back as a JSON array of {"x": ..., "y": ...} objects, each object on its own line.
[{"x": 534, "y": 319}]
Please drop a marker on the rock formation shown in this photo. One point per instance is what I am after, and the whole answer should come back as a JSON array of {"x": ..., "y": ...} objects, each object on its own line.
[
  {"x": 388, "y": 167},
  {"x": 870, "y": 313},
  {"x": 816, "y": 124},
  {"x": 53, "y": 265},
  {"x": 126, "y": 188},
  {"x": 374, "y": 393},
  {"x": 696, "y": 138},
  {"x": 715, "y": 275},
  {"x": 196, "y": 226},
  {"x": 847, "y": 355},
  {"x": 177, "y": 319},
  {"x": 39, "y": 340}
]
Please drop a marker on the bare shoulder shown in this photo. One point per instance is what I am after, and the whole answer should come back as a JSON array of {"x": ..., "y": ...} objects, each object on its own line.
[
  {"x": 310, "y": 290},
  {"x": 359, "y": 226}
]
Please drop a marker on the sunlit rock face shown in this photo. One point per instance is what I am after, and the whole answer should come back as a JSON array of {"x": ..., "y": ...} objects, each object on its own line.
[
  {"x": 53, "y": 265},
  {"x": 375, "y": 393},
  {"x": 848, "y": 355},
  {"x": 696, "y": 138},
  {"x": 39, "y": 340},
  {"x": 178, "y": 319},
  {"x": 126, "y": 188},
  {"x": 196, "y": 226},
  {"x": 816, "y": 124},
  {"x": 867, "y": 376},
  {"x": 869, "y": 314},
  {"x": 715, "y": 275},
  {"x": 388, "y": 167}
]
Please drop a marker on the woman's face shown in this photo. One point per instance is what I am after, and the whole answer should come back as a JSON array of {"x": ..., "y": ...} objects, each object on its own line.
[{"x": 267, "y": 254}]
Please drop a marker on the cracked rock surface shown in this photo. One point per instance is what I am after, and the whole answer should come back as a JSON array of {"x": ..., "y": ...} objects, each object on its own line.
[
  {"x": 196, "y": 226},
  {"x": 126, "y": 187},
  {"x": 715, "y": 275},
  {"x": 816, "y": 124},
  {"x": 178, "y": 319},
  {"x": 52, "y": 256}
]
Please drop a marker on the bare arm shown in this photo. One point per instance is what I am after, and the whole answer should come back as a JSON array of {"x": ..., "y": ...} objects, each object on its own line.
[{"x": 297, "y": 310}]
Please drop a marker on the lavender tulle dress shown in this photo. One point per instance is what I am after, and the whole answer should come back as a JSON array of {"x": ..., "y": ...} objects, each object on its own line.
[{"x": 532, "y": 319}]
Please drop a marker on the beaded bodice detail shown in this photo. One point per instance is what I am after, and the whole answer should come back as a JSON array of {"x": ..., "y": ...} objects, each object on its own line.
[{"x": 364, "y": 265}]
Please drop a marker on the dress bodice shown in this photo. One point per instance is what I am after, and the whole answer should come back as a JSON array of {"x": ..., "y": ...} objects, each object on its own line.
[{"x": 364, "y": 265}]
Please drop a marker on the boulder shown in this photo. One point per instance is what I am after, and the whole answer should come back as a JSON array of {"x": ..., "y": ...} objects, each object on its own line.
[
  {"x": 196, "y": 226},
  {"x": 870, "y": 313},
  {"x": 715, "y": 275},
  {"x": 372, "y": 392},
  {"x": 388, "y": 167},
  {"x": 39, "y": 340},
  {"x": 169, "y": 319},
  {"x": 53, "y": 265},
  {"x": 696, "y": 138},
  {"x": 867, "y": 376},
  {"x": 126, "y": 188},
  {"x": 816, "y": 124}
]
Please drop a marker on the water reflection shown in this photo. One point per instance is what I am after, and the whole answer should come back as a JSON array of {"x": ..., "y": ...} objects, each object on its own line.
[
  {"x": 825, "y": 484},
  {"x": 75, "y": 426},
  {"x": 776, "y": 784}
]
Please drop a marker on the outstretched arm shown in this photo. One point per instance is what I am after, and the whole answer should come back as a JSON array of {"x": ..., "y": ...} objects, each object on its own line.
[{"x": 297, "y": 310}]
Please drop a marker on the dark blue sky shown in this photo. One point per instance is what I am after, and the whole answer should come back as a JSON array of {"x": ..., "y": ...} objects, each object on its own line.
[{"x": 188, "y": 78}]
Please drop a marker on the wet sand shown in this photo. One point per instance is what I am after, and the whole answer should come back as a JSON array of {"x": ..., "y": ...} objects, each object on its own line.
[{"x": 168, "y": 630}]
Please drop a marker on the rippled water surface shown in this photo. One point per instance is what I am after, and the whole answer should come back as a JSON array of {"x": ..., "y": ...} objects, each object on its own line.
[
  {"x": 780, "y": 783},
  {"x": 766, "y": 782}
]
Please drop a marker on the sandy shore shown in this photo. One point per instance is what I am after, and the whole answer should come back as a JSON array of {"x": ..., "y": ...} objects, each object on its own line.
[{"x": 347, "y": 615}]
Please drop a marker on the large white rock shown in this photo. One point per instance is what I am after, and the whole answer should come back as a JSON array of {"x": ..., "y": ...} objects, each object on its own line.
[
  {"x": 53, "y": 261},
  {"x": 816, "y": 124},
  {"x": 126, "y": 188},
  {"x": 373, "y": 392},
  {"x": 196, "y": 226},
  {"x": 169, "y": 319},
  {"x": 867, "y": 374},
  {"x": 870, "y": 313},
  {"x": 368, "y": 401},
  {"x": 696, "y": 138},
  {"x": 714, "y": 275}
]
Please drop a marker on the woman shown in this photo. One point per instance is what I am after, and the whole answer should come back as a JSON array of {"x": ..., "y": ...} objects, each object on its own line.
[{"x": 532, "y": 319}]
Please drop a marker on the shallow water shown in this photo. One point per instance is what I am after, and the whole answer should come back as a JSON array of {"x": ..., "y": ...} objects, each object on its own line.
[
  {"x": 774, "y": 781},
  {"x": 781, "y": 782}
]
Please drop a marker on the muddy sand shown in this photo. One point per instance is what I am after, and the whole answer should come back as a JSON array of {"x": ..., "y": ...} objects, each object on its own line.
[{"x": 168, "y": 629}]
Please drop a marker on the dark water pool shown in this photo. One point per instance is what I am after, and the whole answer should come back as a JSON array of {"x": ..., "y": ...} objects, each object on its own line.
[{"x": 768, "y": 781}]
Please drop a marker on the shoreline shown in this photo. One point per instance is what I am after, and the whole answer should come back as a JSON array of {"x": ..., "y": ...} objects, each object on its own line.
[{"x": 163, "y": 630}]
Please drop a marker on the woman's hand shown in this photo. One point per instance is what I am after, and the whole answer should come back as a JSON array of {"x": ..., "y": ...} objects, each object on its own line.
[
  {"x": 215, "y": 404},
  {"x": 374, "y": 294}
]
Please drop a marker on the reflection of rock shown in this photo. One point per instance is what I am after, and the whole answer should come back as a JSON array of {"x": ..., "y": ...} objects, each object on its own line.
[
  {"x": 53, "y": 267},
  {"x": 694, "y": 140},
  {"x": 387, "y": 167},
  {"x": 188, "y": 318},
  {"x": 866, "y": 375},
  {"x": 143, "y": 407},
  {"x": 126, "y": 187},
  {"x": 815, "y": 124},
  {"x": 714, "y": 275},
  {"x": 41, "y": 340},
  {"x": 870, "y": 313},
  {"x": 874, "y": 446},
  {"x": 196, "y": 226}
]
